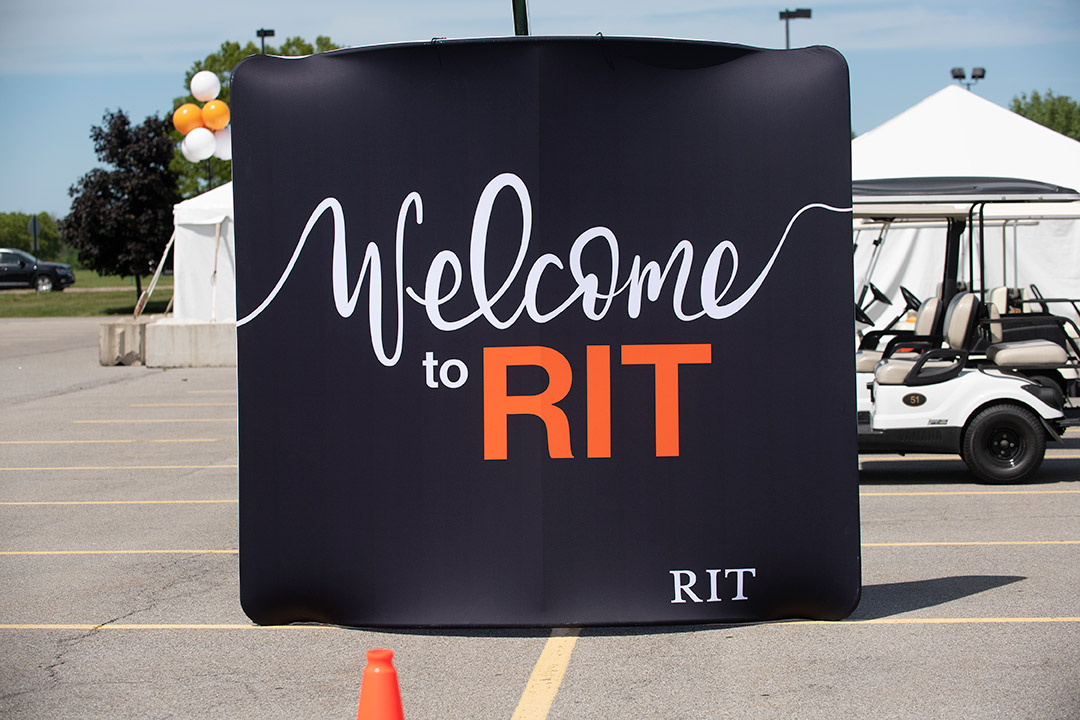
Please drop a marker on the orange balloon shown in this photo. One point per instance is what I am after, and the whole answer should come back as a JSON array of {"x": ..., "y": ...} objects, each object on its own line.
[
  {"x": 215, "y": 114},
  {"x": 187, "y": 117}
]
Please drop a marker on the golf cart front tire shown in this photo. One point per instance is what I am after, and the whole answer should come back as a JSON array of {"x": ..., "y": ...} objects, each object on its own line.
[{"x": 1004, "y": 444}]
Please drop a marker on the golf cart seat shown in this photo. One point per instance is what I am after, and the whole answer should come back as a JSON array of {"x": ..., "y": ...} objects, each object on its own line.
[
  {"x": 1026, "y": 352},
  {"x": 867, "y": 359},
  {"x": 1003, "y": 299},
  {"x": 1021, "y": 352},
  {"x": 937, "y": 364}
]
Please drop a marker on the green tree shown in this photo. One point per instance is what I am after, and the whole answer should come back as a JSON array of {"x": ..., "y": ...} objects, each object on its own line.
[
  {"x": 195, "y": 178},
  {"x": 121, "y": 218},
  {"x": 15, "y": 233},
  {"x": 1060, "y": 113}
]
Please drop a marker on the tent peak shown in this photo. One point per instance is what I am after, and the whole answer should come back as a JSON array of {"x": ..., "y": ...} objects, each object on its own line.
[{"x": 956, "y": 133}]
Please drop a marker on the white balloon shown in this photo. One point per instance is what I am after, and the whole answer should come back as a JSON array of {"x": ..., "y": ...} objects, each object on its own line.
[
  {"x": 205, "y": 86},
  {"x": 223, "y": 143},
  {"x": 186, "y": 151},
  {"x": 198, "y": 145}
]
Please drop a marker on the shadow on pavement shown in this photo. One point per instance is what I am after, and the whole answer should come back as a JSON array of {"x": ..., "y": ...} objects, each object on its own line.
[
  {"x": 878, "y": 601},
  {"x": 887, "y": 599}
]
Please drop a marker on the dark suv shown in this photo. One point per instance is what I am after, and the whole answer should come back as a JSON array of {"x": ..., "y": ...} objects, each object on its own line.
[{"x": 19, "y": 268}]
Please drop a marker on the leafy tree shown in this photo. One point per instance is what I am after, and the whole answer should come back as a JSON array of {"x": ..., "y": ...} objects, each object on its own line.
[
  {"x": 121, "y": 218},
  {"x": 15, "y": 233},
  {"x": 1057, "y": 112},
  {"x": 196, "y": 178}
]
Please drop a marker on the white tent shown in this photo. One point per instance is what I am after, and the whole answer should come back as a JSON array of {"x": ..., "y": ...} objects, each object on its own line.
[
  {"x": 955, "y": 133},
  {"x": 204, "y": 266}
]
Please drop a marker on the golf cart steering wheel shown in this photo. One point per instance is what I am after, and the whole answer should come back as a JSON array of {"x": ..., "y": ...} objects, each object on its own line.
[
  {"x": 879, "y": 296},
  {"x": 912, "y": 302}
]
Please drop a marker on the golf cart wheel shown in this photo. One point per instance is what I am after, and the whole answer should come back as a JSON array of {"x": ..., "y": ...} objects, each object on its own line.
[
  {"x": 1004, "y": 444},
  {"x": 43, "y": 283}
]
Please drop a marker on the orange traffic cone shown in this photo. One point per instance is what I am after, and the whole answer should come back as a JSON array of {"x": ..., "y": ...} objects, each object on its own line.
[{"x": 380, "y": 698}]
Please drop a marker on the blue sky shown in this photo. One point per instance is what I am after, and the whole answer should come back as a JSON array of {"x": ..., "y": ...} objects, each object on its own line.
[{"x": 64, "y": 62}]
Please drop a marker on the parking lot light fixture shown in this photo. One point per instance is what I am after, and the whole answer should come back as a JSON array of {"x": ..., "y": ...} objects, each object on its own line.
[
  {"x": 521, "y": 17},
  {"x": 960, "y": 76}
]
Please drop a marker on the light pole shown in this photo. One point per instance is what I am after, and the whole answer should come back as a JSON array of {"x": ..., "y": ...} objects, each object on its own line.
[
  {"x": 787, "y": 16},
  {"x": 262, "y": 34},
  {"x": 521, "y": 17},
  {"x": 959, "y": 76}
]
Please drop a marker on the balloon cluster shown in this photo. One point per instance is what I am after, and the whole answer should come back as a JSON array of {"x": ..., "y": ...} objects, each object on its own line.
[{"x": 206, "y": 130}]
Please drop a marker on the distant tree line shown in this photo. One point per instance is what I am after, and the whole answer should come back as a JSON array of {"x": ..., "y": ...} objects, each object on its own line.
[
  {"x": 15, "y": 233},
  {"x": 1060, "y": 113}
]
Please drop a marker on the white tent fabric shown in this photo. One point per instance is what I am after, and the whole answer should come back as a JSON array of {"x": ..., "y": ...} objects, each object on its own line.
[
  {"x": 956, "y": 133},
  {"x": 204, "y": 266}
]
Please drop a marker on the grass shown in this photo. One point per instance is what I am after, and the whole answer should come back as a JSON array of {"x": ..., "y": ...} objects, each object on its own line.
[
  {"x": 85, "y": 304},
  {"x": 90, "y": 279},
  {"x": 72, "y": 303}
]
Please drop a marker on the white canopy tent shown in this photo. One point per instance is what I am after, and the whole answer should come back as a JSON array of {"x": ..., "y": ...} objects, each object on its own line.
[
  {"x": 204, "y": 258},
  {"x": 955, "y": 133}
]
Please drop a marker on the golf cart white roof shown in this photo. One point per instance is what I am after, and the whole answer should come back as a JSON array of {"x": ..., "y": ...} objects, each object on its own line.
[{"x": 917, "y": 198}]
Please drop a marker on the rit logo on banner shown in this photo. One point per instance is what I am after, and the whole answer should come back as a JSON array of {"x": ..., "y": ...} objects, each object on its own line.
[{"x": 499, "y": 404}]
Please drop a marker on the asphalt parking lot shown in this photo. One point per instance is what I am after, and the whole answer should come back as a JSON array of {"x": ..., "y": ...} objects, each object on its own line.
[{"x": 119, "y": 591}]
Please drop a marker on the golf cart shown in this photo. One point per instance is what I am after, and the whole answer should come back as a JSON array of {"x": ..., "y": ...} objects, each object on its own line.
[{"x": 969, "y": 379}]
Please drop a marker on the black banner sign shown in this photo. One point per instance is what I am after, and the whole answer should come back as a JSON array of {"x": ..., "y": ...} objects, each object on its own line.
[{"x": 545, "y": 331}]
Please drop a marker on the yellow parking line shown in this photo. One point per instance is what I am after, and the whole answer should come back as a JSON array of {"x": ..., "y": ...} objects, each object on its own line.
[
  {"x": 195, "y": 440},
  {"x": 547, "y": 675},
  {"x": 992, "y": 542},
  {"x": 778, "y": 624},
  {"x": 114, "y": 442},
  {"x": 157, "y": 405},
  {"x": 124, "y": 467},
  {"x": 119, "y": 552},
  {"x": 121, "y": 502},
  {"x": 160, "y": 626},
  {"x": 151, "y": 420},
  {"x": 970, "y": 492},
  {"x": 933, "y": 621}
]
